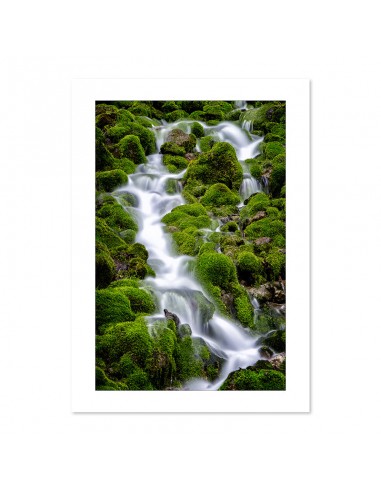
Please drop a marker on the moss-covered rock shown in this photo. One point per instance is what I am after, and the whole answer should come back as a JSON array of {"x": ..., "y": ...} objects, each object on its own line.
[
  {"x": 188, "y": 366},
  {"x": 109, "y": 180},
  {"x": 141, "y": 301},
  {"x": 242, "y": 306},
  {"x": 104, "y": 266},
  {"x": 186, "y": 244},
  {"x": 249, "y": 380},
  {"x": 130, "y": 338},
  {"x": 146, "y": 136},
  {"x": 185, "y": 216},
  {"x": 126, "y": 165},
  {"x": 131, "y": 148},
  {"x": 266, "y": 227},
  {"x": 178, "y": 114},
  {"x": 249, "y": 267},
  {"x": 276, "y": 340},
  {"x": 258, "y": 202},
  {"x": 272, "y": 149},
  {"x": 206, "y": 143},
  {"x": 104, "y": 234},
  {"x": 103, "y": 158},
  {"x": 172, "y": 148},
  {"x": 219, "y": 194},
  {"x": 112, "y": 306},
  {"x": 230, "y": 226},
  {"x": 219, "y": 165},
  {"x": 182, "y": 139},
  {"x": 216, "y": 269},
  {"x": 197, "y": 129},
  {"x": 176, "y": 161},
  {"x": 116, "y": 217},
  {"x": 277, "y": 179}
]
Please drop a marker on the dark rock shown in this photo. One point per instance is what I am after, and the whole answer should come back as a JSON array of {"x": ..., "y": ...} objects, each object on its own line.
[
  {"x": 265, "y": 352},
  {"x": 276, "y": 340},
  {"x": 278, "y": 308},
  {"x": 172, "y": 316}
]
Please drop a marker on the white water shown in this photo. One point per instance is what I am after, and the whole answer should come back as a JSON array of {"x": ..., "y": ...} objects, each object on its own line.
[{"x": 174, "y": 285}]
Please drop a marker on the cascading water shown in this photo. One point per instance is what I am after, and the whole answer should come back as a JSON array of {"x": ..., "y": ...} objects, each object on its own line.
[{"x": 175, "y": 286}]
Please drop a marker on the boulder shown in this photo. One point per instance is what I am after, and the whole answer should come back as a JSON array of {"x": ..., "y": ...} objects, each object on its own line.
[{"x": 182, "y": 139}]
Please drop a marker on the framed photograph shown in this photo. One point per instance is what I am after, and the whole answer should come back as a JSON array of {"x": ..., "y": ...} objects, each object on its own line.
[{"x": 186, "y": 248}]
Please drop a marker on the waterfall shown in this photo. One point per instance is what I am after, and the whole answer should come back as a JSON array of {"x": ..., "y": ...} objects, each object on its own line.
[{"x": 175, "y": 286}]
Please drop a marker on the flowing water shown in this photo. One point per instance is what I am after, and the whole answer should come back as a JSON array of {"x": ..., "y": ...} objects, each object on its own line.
[{"x": 175, "y": 286}]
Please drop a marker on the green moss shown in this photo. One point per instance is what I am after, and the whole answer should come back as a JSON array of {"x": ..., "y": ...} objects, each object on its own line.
[
  {"x": 272, "y": 149},
  {"x": 271, "y": 137},
  {"x": 266, "y": 227},
  {"x": 197, "y": 129},
  {"x": 138, "y": 381},
  {"x": 146, "y": 136},
  {"x": 116, "y": 217},
  {"x": 126, "y": 165},
  {"x": 182, "y": 139},
  {"x": 277, "y": 179},
  {"x": 256, "y": 203},
  {"x": 249, "y": 380},
  {"x": 172, "y": 148},
  {"x": 131, "y": 148},
  {"x": 105, "y": 115},
  {"x": 277, "y": 261},
  {"x": 162, "y": 366},
  {"x": 188, "y": 366},
  {"x": 249, "y": 267},
  {"x": 219, "y": 194},
  {"x": 189, "y": 215},
  {"x": 178, "y": 114},
  {"x": 170, "y": 106},
  {"x": 223, "y": 106},
  {"x": 140, "y": 109},
  {"x": 109, "y": 180},
  {"x": 112, "y": 306},
  {"x": 264, "y": 116},
  {"x": 216, "y": 269},
  {"x": 104, "y": 266},
  {"x": 243, "y": 307},
  {"x": 230, "y": 227},
  {"x": 197, "y": 115},
  {"x": 206, "y": 143},
  {"x": 276, "y": 340},
  {"x": 103, "y": 383},
  {"x": 103, "y": 158},
  {"x": 141, "y": 301},
  {"x": 255, "y": 167},
  {"x": 175, "y": 160},
  {"x": 106, "y": 235},
  {"x": 219, "y": 165}
]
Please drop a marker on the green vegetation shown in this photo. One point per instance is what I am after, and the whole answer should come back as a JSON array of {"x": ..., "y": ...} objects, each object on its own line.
[{"x": 136, "y": 349}]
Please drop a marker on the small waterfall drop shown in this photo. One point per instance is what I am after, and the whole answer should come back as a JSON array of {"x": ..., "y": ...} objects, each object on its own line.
[{"x": 174, "y": 285}]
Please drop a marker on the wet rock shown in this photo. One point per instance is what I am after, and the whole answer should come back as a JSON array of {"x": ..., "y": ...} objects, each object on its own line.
[
  {"x": 190, "y": 156},
  {"x": 271, "y": 292},
  {"x": 278, "y": 360},
  {"x": 278, "y": 308},
  {"x": 261, "y": 293},
  {"x": 260, "y": 364},
  {"x": 182, "y": 139},
  {"x": 172, "y": 316},
  {"x": 259, "y": 215},
  {"x": 276, "y": 341},
  {"x": 265, "y": 352}
]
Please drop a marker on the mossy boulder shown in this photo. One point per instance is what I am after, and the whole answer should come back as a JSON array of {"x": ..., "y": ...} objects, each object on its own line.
[
  {"x": 112, "y": 306},
  {"x": 126, "y": 165},
  {"x": 266, "y": 227},
  {"x": 256, "y": 203},
  {"x": 243, "y": 309},
  {"x": 277, "y": 178},
  {"x": 206, "y": 143},
  {"x": 109, "y": 180},
  {"x": 186, "y": 244},
  {"x": 141, "y": 301},
  {"x": 103, "y": 158},
  {"x": 182, "y": 139},
  {"x": 272, "y": 149},
  {"x": 216, "y": 269},
  {"x": 106, "y": 235},
  {"x": 172, "y": 148},
  {"x": 146, "y": 136},
  {"x": 131, "y": 148},
  {"x": 197, "y": 129},
  {"x": 219, "y": 165},
  {"x": 104, "y": 266},
  {"x": 249, "y": 380},
  {"x": 177, "y": 161},
  {"x": 131, "y": 338},
  {"x": 178, "y": 114},
  {"x": 276, "y": 341},
  {"x": 185, "y": 216},
  {"x": 249, "y": 267},
  {"x": 219, "y": 194},
  {"x": 116, "y": 217}
]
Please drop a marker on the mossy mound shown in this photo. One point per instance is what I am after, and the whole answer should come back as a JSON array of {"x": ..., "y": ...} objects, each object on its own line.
[
  {"x": 257, "y": 203},
  {"x": 182, "y": 139},
  {"x": 216, "y": 269},
  {"x": 219, "y": 194},
  {"x": 277, "y": 178},
  {"x": 103, "y": 158},
  {"x": 109, "y": 180},
  {"x": 172, "y": 148},
  {"x": 272, "y": 149},
  {"x": 206, "y": 143},
  {"x": 178, "y": 114},
  {"x": 116, "y": 217},
  {"x": 186, "y": 244},
  {"x": 141, "y": 301},
  {"x": 146, "y": 136},
  {"x": 266, "y": 227},
  {"x": 219, "y": 165},
  {"x": 197, "y": 129},
  {"x": 249, "y": 380},
  {"x": 104, "y": 266},
  {"x": 104, "y": 234},
  {"x": 112, "y": 306},
  {"x": 176, "y": 161},
  {"x": 249, "y": 267},
  {"x": 131, "y": 148},
  {"x": 185, "y": 216}
]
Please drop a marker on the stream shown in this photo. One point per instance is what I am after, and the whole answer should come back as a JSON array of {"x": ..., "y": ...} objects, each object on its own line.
[{"x": 175, "y": 286}]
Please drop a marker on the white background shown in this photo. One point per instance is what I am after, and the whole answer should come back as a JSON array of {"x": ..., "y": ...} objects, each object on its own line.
[{"x": 44, "y": 447}]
